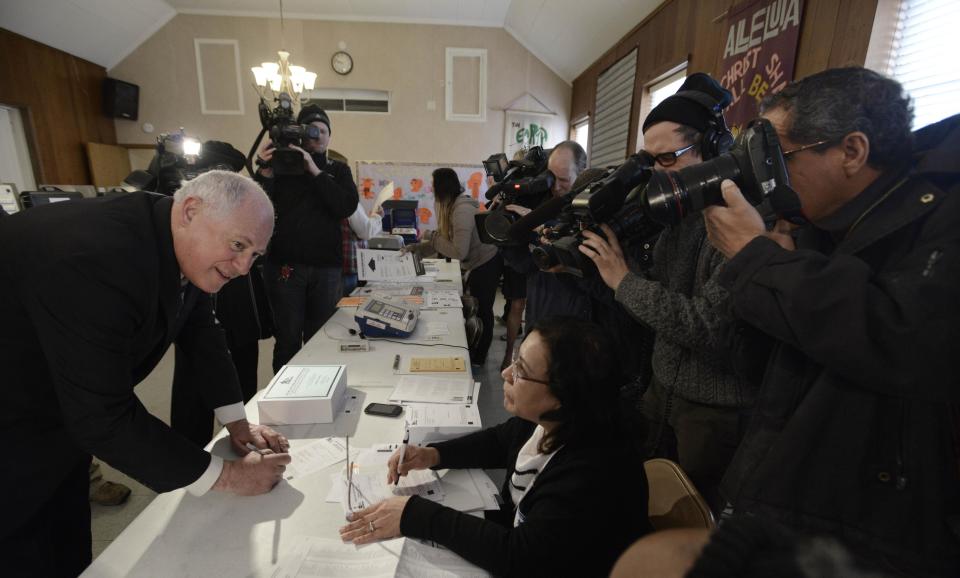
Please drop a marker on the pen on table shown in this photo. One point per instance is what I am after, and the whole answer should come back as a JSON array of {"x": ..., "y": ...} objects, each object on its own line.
[{"x": 403, "y": 450}]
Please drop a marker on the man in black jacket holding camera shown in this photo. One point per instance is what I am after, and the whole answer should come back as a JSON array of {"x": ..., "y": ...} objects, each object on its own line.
[
  {"x": 852, "y": 434},
  {"x": 304, "y": 266}
]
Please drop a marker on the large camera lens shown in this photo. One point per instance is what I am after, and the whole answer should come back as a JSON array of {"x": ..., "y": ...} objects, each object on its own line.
[
  {"x": 672, "y": 195},
  {"x": 632, "y": 222},
  {"x": 498, "y": 223},
  {"x": 545, "y": 256}
]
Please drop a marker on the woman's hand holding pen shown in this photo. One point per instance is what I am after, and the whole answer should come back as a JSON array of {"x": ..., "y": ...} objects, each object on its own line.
[{"x": 414, "y": 458}]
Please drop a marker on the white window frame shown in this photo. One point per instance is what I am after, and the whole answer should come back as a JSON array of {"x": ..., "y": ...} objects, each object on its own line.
[
  {"x": 197, "y": 42},
  {"x": 646, "y": 100},
  {"x": 451, "y": 53}
]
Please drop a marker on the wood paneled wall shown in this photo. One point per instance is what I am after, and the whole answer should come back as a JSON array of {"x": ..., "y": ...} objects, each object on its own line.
[
  {"x": 833, "y": 33},
  {"x": 59, "y": 96}
]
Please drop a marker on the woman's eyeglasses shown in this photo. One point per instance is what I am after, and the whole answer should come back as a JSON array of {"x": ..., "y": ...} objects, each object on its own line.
[
  {"x": 666, "y": 159},
  {"x": 517, "y": 373}
]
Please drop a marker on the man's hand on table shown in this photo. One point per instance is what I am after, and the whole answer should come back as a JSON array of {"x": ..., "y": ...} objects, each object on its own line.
[
  {"x": 254, "y": 474},
  {"x": 258, "y": 471},
  {"x": 243, "y": 433}
]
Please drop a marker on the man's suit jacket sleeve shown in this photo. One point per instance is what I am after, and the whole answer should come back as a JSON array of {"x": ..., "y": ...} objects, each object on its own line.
[{"x": 88, "y": 334}]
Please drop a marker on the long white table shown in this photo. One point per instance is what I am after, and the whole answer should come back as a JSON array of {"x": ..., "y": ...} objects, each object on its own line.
[{"x": 225, "y": 535}]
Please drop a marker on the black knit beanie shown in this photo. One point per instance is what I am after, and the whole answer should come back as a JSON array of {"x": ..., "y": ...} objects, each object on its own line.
[
  {"x": 685, "y": 111},
  {"x": 313, "y": 113}
]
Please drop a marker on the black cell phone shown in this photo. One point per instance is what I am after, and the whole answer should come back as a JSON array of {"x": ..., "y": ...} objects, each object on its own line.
[{"x": 384, "y": 409}]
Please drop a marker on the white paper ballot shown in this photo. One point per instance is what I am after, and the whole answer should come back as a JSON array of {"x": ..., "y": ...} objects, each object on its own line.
[
  {"x": 314, "y": 457},
  {"x": 442, "y": 299},
  {"x": 376, "y": 265},
  {"x": 442, "y": 414},
  {"x": 384, "y": 194},
  {"x": 433, "y": 389},
  {"x": 369, "y": 483},
  {"x": 304, "y": 381},
  {"x": 419, "y": 560},
  {"x": 437, "y": 328},
  {"x": 312, "y": 556}
]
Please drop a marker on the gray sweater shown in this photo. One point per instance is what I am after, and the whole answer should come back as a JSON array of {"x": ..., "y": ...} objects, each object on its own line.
[
  {"x": 688, "y": 310},
  {"x": 465, "y": 245}
]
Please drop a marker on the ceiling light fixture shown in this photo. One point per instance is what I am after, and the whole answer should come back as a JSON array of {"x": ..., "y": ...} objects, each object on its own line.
[{"x": 282, "y": 76}]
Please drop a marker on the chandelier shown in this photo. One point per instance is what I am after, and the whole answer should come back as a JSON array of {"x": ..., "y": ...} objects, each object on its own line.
[{"x": 283, "y": 76}]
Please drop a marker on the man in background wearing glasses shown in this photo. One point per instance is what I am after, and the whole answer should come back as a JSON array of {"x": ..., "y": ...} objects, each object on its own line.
[
  {"x": 856, "y": 427},
  {"x": 696, "y": 401}
]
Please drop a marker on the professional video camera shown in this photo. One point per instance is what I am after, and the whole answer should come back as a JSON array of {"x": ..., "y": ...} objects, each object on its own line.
[
  {"x": 180, "y": 158},
  {"x": 281, "y": 124},
  {"x": 610, "y": 196},
  {"x": 755, "y": 163},
  {"x": 525, "y": 182}
]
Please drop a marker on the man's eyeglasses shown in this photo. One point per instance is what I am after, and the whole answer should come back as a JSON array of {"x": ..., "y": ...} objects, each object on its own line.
[
  {"x": 517, "y": 373},
  {"x": 667, "y": 159},
  {"x": 790, "y": 153}
]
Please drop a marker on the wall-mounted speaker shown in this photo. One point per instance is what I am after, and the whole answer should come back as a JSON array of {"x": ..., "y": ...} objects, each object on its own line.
[{"x": 120, "y": 99}]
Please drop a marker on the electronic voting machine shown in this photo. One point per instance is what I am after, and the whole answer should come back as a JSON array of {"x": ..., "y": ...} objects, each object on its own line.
[{"x": 387, "y": 316}]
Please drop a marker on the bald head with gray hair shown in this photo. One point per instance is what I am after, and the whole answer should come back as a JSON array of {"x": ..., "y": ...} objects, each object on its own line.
[{"x": 224, "y": 191}]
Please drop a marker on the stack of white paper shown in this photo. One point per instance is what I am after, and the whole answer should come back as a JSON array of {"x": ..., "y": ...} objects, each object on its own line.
[{"x": 433, "y": 389}]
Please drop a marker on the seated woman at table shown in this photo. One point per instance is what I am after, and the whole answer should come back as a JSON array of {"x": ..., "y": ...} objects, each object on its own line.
[
  {"x": 575, "y": 495},
  {"x": 456, "y": 237}
]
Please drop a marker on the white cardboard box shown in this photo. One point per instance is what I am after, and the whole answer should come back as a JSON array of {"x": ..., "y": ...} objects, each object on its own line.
[
  {"x": 300, "y": 394},
  {"x": 437, "y": 422}
]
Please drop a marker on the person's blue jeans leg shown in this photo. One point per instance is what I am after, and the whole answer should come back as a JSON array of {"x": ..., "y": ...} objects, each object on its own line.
[
  {"x": 288, "y": 297},
  {"x": 323, "y": 291},
  {"x": 349, "y": 283}
]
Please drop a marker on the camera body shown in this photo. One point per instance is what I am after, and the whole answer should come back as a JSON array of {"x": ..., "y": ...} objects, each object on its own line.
[
  {"x": 755, "y": 163},
  {"x": 603, "y": 200},
  {"x": 280, "y": 122},
  {"x": 525, "y": 182},
  {"x": 180, "y": 158}
]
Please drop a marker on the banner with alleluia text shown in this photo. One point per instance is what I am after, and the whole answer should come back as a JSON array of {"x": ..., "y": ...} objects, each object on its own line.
[{"x": 759, "y": 53}]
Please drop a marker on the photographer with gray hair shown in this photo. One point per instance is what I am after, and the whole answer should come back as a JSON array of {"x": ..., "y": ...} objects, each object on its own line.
[
  {"x": 853, "y": 434},
  {"x": 92, "y": 293}
]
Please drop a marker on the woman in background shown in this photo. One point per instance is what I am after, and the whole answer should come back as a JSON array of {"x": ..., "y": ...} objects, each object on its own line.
[{"x": 456, "y": 237}]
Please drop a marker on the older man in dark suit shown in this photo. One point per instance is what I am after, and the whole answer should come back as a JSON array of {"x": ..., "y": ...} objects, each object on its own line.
[{"x": 92, "y": 293}]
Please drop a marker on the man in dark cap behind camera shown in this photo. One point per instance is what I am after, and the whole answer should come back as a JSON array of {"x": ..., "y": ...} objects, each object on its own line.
[
  {"x": 696, "y": 402},
  {"x": 304, "y": 266}
]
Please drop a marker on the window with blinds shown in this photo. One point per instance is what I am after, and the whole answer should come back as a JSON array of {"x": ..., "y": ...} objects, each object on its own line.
[
  {"x": 611, "y": 128},
  {"x": 923, "y": 57}
]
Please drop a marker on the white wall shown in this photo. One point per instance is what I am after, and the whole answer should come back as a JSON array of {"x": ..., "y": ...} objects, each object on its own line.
[{"x": 406, "y": 59}]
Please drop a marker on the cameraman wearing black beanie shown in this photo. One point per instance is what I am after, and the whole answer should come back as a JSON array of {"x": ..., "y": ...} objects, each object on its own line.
[
  {"x": 695, "y": 403},
  {"x": 304, "y": 266}
]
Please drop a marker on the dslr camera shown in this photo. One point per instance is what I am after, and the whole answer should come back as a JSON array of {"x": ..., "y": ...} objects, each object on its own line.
[
  {"x": 755, "y": 163},
  {"x": 611, "y": 197},
  {"x": 525, "y": 182},
  {"x": 281, "y": 124}
]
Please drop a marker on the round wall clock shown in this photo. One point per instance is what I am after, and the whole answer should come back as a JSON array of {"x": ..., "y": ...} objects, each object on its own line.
[{"x": 341, "y": 62}]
